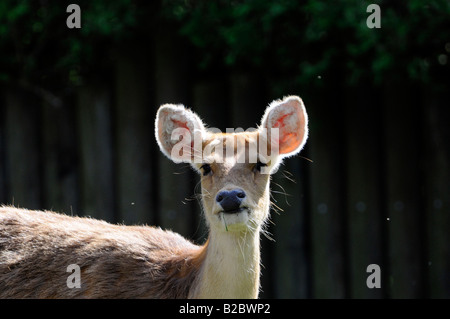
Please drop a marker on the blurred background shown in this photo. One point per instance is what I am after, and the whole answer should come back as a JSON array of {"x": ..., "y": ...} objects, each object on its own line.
[{"x": 372, "y": 186}]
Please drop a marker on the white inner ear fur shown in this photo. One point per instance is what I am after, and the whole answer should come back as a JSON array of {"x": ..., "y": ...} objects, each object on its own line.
[
  {"x": 171, "y": 117},
  {"x": 292, "y": 112}
]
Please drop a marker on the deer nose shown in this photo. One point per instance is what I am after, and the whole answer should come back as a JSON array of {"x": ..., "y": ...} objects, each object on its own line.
[{"x": 230, "y": 200}]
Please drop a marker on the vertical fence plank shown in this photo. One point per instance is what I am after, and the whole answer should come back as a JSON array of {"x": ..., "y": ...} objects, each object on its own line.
[
  {"x": 404, "y": 202},
  {"x": 364, "y": 197},
  {"x": 176, "y": 182},
  {"x": 291, "y": 262},
  {"x": 59, "y": 159},
  {"x": 327, "y": 196},
  {"x": 247, "y": 100},
  {"x": 51, "y": 161},
  {"x": 22, "y": 150},
  {"x": 134, "y": 137},
  {"x": 2, "y": 149},
  {"x": 69, "y": 174},
  {"x": 93, "y": 114},
  {"x": 211, "y": 100},
  {"x": 436, "y": 162}
]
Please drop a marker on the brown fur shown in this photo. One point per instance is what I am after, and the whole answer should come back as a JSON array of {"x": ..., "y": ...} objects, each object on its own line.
[{"x": 116, "y": 261}]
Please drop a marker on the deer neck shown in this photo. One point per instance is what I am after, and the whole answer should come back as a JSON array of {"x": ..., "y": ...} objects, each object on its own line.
[{"x": 231, "y": 267}]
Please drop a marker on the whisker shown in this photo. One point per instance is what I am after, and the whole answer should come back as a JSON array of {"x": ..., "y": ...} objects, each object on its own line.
[
  {"x": 272, "y": 198},
  {"x": 182, "y": 169},
  {"x": 267, "y": 234},
  {"x": 289, "y": 178},
  {"x": 285, "y": 194},
  {"x": 275, "y": 208},
  {"x": 287, "y": 172},
  {"x": 308, "y": 159},
  {"x": 282, "y": 188}
]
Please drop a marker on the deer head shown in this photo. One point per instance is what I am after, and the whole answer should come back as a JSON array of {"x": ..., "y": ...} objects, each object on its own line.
[{"x": 235, "y": 168}]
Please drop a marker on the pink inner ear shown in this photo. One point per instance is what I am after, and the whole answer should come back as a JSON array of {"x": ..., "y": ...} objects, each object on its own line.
[
  {"x": 280, "y": 122},
  {"x": 288, "y": 143},
  {"x": 288, "y": 139},
  {"x": 180, "y": 124}
]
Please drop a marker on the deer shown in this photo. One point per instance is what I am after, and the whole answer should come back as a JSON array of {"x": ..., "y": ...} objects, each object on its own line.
[{"x": 121, "y": 261}]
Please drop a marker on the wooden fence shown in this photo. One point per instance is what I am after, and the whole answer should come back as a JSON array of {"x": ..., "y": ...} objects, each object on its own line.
[{"x": 371, "y": 187}]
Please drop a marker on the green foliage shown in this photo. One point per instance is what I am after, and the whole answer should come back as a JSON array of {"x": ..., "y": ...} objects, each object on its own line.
[
  {"x": 301, "y": 42},
  {"x": 37, "y": 47},
  {"x": 319, "y": 37}
]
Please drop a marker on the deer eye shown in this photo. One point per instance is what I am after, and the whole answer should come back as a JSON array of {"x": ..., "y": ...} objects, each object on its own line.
[
  {"x": 258, "y": 166},
  {"x": 206, "y": 168}
]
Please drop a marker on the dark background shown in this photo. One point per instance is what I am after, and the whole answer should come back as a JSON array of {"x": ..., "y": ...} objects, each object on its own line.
[{"x": 77, "y": 109}]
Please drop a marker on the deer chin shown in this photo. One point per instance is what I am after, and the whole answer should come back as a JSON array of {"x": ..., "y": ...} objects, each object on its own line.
[{"x": 235, "y": 221}]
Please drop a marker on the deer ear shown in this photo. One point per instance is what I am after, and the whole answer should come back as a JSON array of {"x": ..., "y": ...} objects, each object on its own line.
[
  {"x": 289, "y": 116},
  {"x": 176, "y": 129}
]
